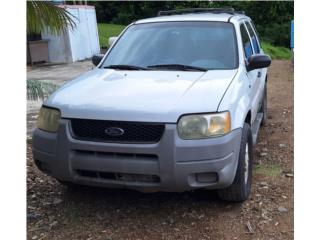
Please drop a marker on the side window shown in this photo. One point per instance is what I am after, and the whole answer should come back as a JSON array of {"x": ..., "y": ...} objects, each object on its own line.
[
  {"x": 254, "y": 38},
  {"x": 246, "y": 42},
  {"x": 255, "y": 30}
]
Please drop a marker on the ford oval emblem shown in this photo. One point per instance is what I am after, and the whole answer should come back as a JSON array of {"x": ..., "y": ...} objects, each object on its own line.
[{"x": 114, "y": 131}]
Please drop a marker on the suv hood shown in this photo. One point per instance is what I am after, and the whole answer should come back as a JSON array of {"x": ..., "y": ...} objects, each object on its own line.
[{"x": 148, "y": 96}]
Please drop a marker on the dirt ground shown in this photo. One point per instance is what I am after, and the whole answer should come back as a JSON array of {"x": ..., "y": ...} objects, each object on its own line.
[{"x": 55, "y": 212}]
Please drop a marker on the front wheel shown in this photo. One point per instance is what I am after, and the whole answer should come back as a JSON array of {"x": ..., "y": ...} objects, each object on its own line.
[{"x": 240, "y": 189}]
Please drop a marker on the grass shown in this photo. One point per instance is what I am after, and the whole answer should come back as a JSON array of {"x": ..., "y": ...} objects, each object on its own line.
[
  {"x": 276, "y": 52},
  {"x": 108, "y": 30},
  {"x": 270, "y": 170}
]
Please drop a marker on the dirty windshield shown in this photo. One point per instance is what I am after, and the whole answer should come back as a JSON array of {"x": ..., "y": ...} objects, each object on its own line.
[{"x": 175, "y": 45}]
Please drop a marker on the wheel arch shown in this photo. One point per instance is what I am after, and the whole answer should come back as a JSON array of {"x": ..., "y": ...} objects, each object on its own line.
[{"x": 248, "y": 118}]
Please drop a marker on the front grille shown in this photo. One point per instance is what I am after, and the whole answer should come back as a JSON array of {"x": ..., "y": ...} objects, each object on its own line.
[{"x": 133, "y": 132}]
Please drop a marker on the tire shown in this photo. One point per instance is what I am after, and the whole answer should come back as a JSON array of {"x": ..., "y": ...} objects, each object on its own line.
[
  {"x": 240, "y": 189},
  {"x": 264, "y": 107}
]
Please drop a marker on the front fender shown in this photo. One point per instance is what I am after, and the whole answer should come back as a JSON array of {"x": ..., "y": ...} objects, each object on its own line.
[{"x": 236, "y": 100}]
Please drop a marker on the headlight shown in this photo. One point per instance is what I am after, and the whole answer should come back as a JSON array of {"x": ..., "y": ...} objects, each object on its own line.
[
  {"x": 48, "y": 119},
  {"x": 204, "y": 125}
]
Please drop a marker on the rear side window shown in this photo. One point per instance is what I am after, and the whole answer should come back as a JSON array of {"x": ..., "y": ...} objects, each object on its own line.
[
  {"x": 254, "y": 38},
  {"x": 246, "y": 42}
]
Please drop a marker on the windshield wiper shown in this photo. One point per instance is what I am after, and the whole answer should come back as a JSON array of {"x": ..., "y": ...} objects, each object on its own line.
[
  {"x": 178, "y": 67},
  {"x": 125, "y": 67}
]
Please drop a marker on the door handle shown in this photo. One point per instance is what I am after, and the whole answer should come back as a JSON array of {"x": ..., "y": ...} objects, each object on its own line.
[{"x": 259, "y": 74}]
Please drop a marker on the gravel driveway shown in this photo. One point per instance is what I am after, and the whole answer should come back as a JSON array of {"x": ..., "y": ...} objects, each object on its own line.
[{"x": 55, "y": 212}]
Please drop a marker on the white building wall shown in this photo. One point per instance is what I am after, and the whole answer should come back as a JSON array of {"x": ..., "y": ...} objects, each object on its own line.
[
  {"x": 58, "y": 47},
  {"x": 79, "y": 43}
]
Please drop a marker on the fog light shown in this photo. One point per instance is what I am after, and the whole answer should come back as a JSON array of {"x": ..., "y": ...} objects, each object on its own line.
[{"x": 208, "y": 177}]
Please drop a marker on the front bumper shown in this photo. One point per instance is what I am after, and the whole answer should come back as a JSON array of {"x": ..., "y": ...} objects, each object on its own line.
[{"x": 171, "y": 165}]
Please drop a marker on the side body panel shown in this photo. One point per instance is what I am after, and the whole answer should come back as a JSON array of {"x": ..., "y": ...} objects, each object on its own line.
[
  {"x": 256, "y": 79},
  {"x": 245, "y": 92}
]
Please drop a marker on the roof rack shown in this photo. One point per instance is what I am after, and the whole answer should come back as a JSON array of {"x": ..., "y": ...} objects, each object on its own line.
[{"x": 199, "y": 10}]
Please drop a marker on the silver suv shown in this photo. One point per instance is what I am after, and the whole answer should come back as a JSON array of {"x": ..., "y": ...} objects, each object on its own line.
[{"x": 174, "y": 105}]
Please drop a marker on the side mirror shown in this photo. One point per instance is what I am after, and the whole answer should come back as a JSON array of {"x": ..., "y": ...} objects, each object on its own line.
[
  {"x": 96, "y": 59},
  {"x": 258, "y": 61},
  {"x": 112, "y": 40}
]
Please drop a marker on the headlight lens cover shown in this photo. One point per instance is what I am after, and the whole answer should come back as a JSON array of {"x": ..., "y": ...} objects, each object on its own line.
[
  {"x": 48, "y": 119},
  {"x": 201, "y": 126}
]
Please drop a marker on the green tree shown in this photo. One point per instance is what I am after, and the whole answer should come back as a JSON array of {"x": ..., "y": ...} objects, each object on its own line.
[{"x": 45, "y": 16}]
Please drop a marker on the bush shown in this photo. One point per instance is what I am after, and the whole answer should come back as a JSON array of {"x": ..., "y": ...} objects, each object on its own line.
[
  {"x": 123, "y": 18},
  {"x": 276, "y": 34},
  {"x": 39, "y": 90}
]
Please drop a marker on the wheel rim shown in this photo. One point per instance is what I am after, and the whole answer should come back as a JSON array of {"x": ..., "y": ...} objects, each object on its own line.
[{"x": 246, "y": 164}]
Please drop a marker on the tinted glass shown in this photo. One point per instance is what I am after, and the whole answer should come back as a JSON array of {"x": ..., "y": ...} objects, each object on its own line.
[
  {"x": 210, "y": 45},
  {"x": 253, "y": 38},
  {"x": 246, "y": 42}
]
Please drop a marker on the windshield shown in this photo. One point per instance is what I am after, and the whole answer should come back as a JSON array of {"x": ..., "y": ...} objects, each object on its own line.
[{"x": 203, "y": 45}]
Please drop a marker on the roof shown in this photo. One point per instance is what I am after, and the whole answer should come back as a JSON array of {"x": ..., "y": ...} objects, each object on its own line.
[{"x": 217, "y": 17}]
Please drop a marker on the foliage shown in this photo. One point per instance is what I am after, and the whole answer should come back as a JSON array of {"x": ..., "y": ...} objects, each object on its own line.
[
  {"x": 272, "y": 18},
  {"x": 108, "y": 30},
  {"x": 39, "y": 90},
  {"x": 277, "y": 34},
  {"x": 43, "y": 16},
  {"x": 276, "y": 52}
]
